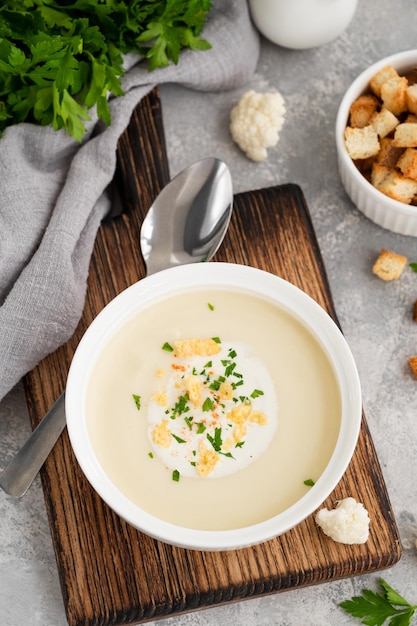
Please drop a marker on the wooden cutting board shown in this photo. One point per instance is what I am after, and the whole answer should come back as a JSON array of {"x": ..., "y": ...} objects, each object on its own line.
[{"x": 112, "y": 574}]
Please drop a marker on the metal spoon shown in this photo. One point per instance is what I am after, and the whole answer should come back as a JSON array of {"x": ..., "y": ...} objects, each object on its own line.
[{"x": 186, "y": 224}]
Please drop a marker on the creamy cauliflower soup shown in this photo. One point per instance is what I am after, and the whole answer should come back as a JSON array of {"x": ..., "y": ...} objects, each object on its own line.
[{"x": 210, "y": 410}]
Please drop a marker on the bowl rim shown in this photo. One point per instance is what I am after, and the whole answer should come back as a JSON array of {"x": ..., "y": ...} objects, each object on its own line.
[
  {"x": 215, "y": 275},
  {"x": 400, "y": 61}
]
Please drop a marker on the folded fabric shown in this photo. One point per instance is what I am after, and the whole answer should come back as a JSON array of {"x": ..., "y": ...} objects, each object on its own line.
[{"x": 52, "y": 195}]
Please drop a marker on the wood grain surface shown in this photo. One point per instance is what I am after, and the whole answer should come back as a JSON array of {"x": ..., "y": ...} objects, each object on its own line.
[{"x": 110, "y": 573}]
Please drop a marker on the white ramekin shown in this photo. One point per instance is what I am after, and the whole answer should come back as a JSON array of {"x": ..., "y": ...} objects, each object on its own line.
[{"x": 390, "y": 214}]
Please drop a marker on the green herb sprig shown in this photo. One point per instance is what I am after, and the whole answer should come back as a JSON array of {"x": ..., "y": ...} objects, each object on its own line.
[
  {"x": 60, "y": 59},
  {"x": 374, "y": 609}
]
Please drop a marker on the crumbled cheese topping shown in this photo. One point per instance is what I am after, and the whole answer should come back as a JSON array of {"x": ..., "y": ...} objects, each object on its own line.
[{"x": 215, "y": 409}]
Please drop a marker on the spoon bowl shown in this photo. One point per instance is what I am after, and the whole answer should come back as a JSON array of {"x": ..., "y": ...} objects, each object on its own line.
[
  {"x": 189, "y": 218},
  {"x": 185, "y": 224}
]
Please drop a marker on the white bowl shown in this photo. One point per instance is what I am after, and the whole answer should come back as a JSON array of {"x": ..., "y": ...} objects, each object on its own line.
[
  {"x": 237, "y": 279},
  {"x": 388, "y": 213}
]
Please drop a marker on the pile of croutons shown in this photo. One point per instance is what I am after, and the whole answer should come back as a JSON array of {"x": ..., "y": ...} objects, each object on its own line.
[{"x": 381, "y": 136}]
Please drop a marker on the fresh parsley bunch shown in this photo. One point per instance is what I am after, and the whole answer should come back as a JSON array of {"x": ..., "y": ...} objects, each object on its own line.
[
  {"x": 60, "y": 59},
  {"x": 374, "y": 609}
]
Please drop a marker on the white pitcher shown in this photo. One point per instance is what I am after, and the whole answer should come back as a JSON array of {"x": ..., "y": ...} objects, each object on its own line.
[{"x": 302, "y": 23}]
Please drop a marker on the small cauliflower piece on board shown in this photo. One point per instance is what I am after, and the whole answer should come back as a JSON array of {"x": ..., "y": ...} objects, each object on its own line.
[{"x": 347, "y": 523}]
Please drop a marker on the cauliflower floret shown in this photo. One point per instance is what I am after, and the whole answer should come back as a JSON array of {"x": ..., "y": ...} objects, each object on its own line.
[
  {"x": 347, "y": 523},
  {"x": 256, "y": 121}
]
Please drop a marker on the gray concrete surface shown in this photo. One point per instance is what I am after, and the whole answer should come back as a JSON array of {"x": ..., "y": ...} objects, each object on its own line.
[{"x": 375, "y": 317}]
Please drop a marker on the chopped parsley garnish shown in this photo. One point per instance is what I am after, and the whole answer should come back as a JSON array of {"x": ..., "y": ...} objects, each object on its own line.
[
  {"x": 309, "y": 482},
  {"x": 178, "y": 439},
  {"x": 208, "y": 404},
  {"x": 180, "y": 407},
  {"x": 229, "y": 367},
  {"x": 256, "y": 393},
  {"x": 137, "y": 400},
  {"x": 150, "y": 455},
  {"x": 205, "y": 394},
  {"x": 210, "y": 306},
  {"x": 413, "y": 266},
  {"x": 216, "y": 441}
]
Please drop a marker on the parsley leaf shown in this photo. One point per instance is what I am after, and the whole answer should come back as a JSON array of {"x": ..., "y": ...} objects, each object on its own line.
[
  {"x": 374, "y": 609},
  {"x": 216, "y": 441},
  {"x": 136, "y": 400}
]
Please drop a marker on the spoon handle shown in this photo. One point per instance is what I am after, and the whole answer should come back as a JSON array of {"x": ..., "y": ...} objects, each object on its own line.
[{"x": 17, "y": 477}]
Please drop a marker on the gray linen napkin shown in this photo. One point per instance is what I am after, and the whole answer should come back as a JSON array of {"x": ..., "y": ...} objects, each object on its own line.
[{"x": 52, "y": 196}]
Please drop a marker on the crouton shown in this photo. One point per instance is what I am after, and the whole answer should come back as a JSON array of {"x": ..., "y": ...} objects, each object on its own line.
[
  {"x": 388, "y": 154},
  {"x": 405, "y": 135},
  {"x": 384, "y": 122},
  {"x": 411, "y": 97},
  {"x": 381, "y": 77},
  {"x": 394, "y": 94},
  {"x": 361, "y": 143},
  {"x": 362, "y": 110},
  {"x": 389, "y": 265},
  {"x": 407, "y": 163},
  {"x": 412, "y": 361},
  {"x": 393, "y": 184}
]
